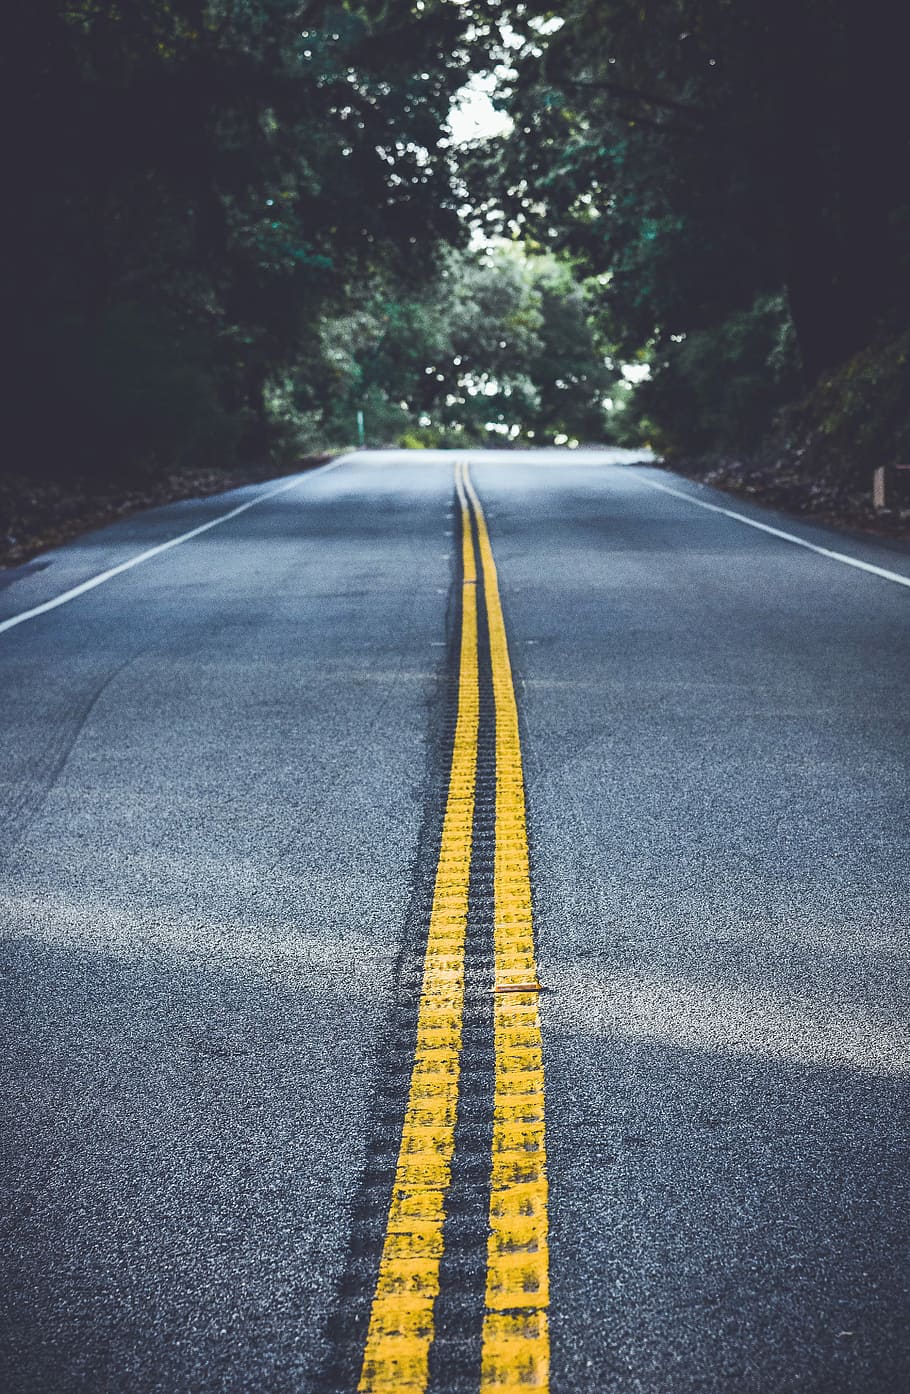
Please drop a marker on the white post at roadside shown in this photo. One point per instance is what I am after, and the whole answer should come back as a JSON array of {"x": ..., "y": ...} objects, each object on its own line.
[{"x": 878, "y": 487}]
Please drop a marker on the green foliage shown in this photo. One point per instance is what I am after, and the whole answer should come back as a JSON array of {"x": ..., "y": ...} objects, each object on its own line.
[
  {"x": 499, "y": 344},
  {"x": 439, "y": 438},
  {"x": 857, "y": 417},
  {"x": 234, "y": 224},
  {"x": 130, "y": 384},
  {"x": 720, "y": 388},
  {"x": 721, "y": 168},
  {"x": 217, "y": 177}
]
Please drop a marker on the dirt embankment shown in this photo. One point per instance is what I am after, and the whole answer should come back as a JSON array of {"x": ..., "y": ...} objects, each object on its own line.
[
  {"x": 37, "y": 515},
  {"x": 821, "y": 498}
]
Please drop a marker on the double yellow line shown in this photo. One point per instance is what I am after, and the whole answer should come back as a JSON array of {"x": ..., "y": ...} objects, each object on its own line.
[{"x": 515, "y": 1342}]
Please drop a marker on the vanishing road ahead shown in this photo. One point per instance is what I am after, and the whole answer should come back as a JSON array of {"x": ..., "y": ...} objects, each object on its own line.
[{"x": 275, "y": 804}]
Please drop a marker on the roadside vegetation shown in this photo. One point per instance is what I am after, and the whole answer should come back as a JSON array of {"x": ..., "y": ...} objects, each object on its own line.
[
  {"x": 738, "y": 176},
  {"x": 237, "y": 225}
]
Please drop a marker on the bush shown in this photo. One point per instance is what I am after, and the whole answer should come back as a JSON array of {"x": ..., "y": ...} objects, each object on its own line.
[
  {"x": 857, "y": 417},
  {"x": 719, "y": 389},
  {"x": 130, "y": 391}
]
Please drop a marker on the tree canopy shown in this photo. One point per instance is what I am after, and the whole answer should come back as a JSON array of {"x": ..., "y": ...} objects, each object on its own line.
[
  {"x": 499, "y": 344},
  {"x": 738, "y": 170},
  {"x": 233, "y": 222},
  {"x": 196, "y": 186}
]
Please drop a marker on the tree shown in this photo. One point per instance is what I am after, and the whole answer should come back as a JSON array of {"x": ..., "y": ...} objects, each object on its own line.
[
  {"x": 500, "y": 341},
  {"x": 211, "y": 179},
  {"x": 705, "y": 155}
]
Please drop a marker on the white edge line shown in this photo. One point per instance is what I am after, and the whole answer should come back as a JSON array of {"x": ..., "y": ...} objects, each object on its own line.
[
  {"x": 103, "y": 576},
  {"x": 777, "y": 532}
]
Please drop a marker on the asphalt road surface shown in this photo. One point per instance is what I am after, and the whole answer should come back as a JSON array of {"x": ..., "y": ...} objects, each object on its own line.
[{"x": 255, "y": 811}]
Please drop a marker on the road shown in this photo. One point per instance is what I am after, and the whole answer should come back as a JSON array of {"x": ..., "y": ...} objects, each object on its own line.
[{"x": 267, "y": 800}]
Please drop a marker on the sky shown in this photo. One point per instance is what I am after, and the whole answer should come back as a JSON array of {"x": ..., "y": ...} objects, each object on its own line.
[{"x": 473, "y": 116}]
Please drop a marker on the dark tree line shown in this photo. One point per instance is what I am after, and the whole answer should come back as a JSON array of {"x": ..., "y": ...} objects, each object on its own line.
[
  {"x": 231, "y": 222},
  {"x": 193, "y": 188},
  {"x": 740, "y": 170}
]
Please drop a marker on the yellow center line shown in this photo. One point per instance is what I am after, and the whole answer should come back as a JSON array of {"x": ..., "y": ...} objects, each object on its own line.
[
  {"x": 515, "y": 1345},
  {"x": 396, "y": 1356},
  {"x": 516, "y": 1348}
]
